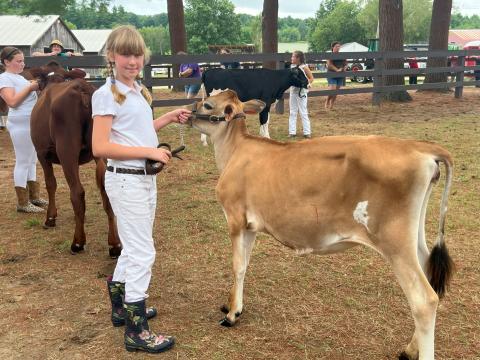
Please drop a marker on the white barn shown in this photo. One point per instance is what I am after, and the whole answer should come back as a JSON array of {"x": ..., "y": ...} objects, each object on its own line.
[{"x": 33, "y": 33}]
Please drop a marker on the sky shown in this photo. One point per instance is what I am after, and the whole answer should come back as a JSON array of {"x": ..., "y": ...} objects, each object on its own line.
[{"x": 303, "y": 9}]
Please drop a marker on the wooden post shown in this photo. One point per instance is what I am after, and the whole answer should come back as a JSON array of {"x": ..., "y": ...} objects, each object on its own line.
[
  {"x": 459, "y": 78},
  {"x": 377, "y": 81},
  {"x": 147, "y": 77},
  {"x": 280, "y": 105}
]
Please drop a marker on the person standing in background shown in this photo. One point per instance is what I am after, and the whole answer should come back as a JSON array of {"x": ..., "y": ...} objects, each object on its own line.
[
  {"x": 56, "y": 49},
  {"x": 298, "y": 99},
  {"x": 20, "y": 96},
  {"x": 334, "y": 83},
  {"x": 193, "y": 71},
  {"x": 412, "y": 64}
]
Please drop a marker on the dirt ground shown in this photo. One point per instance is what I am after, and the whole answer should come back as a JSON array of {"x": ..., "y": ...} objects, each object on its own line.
[{"x": 346, "y": 306}]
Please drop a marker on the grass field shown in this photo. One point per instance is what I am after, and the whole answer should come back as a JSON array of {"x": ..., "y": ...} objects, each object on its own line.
[{"x": 346, "y": 306}]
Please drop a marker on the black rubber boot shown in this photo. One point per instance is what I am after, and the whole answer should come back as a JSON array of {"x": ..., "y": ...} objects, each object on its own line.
[
  {"x": 138, "y": 335},
  {"x": 116, "y": 290}
]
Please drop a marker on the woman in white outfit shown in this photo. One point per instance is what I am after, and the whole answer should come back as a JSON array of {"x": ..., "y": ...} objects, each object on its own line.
[
  {"x": 298, "y": 99},
  {"x": 20, "y": 96}
]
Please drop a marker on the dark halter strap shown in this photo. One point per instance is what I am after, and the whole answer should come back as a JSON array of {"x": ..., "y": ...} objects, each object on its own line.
[{"x": 214, "y": 118}]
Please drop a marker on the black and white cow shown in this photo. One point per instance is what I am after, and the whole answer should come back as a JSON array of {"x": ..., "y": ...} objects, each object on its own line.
[{"x": 262, "y": 84}]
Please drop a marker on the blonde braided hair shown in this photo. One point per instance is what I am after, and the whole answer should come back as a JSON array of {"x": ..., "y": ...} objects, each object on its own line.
[{"x": 126, "y": 39}]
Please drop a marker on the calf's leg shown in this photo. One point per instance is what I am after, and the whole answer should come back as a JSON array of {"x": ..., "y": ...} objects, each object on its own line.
[
  {"x": 51, "y": 184},
  {"x": 242, "y": 245},
  {"x": 77, "y": 197},
  {"x": 113, "y": 238},
  {"x": 423, "y": 303}
]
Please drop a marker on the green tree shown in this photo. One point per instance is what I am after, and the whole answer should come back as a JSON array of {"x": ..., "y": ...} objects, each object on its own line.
[
  {"x": 35, "y": 7},
  {"x": 289, "y": 34},
  {"x": 156, "y": 38},
  {"x": 416, "y": 19},
  {"x": 340, "y": 24},
  {"x": 459, "y": 21},
  {"x": 209, "y": 22}
]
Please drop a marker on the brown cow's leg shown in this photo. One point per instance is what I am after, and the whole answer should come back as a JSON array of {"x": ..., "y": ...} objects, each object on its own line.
[
  {"x": 77, "y": 197},
  {"x": 113, "y": 238},
  {"x": 242, "y": 243},
  {"x": 51, "y": 184}
]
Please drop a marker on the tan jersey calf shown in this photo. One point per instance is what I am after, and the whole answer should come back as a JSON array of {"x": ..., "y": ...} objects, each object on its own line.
[{"x": 329, "y": 194}]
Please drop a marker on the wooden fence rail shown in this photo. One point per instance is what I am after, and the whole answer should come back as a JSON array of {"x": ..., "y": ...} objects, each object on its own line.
[{"x": 456, "y": 71}]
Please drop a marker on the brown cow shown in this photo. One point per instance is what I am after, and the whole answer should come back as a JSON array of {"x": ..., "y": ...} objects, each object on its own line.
[
  {"x": 329, "y": 194},
  {"x": 61, "y": 130}
]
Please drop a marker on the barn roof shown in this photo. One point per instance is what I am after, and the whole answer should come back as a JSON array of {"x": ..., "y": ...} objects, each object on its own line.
[
  {"x": 24, "y": 30},
  {"x": 462, "y": 36},
  {"x": 92, "y": 40}
]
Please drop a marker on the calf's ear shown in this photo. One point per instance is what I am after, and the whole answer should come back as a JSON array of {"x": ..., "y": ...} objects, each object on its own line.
[
  {"x": 75, "y": 74},
  {"x": 253, "y": 106}
]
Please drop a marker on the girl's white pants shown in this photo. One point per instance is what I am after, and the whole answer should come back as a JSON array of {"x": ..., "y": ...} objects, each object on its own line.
[
  {"x": 133, "y": 199},
  {"x": 25, "y": 155},
  {"x": 298, "y": 104}
]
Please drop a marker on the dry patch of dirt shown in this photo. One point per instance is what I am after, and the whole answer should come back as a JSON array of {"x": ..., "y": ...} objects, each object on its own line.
[{"x": 346, "y": 306}]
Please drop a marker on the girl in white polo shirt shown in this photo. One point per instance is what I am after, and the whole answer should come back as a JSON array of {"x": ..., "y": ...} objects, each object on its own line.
[
  {"x": 124, "y": 131},
  {"x": 298, "y": 99},
  {"x": 20, "y": 96}
]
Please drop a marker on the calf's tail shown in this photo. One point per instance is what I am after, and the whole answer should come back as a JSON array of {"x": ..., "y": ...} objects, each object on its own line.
[{"x": 440, "y": 266}]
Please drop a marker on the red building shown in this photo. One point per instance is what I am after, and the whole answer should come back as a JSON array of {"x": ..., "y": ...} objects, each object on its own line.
[{"x": 461, "y": 36}]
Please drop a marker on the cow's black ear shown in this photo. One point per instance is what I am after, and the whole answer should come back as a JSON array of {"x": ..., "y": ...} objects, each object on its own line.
[{"x": 253, "y": 106}]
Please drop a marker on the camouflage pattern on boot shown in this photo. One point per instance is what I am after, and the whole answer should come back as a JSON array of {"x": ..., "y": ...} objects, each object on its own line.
[
  {"x": 138, "y": 335},
  {"x": 34, "y": 194},
  {"x": 23, "y": 205},
  {"x": 116, "y": 291}
]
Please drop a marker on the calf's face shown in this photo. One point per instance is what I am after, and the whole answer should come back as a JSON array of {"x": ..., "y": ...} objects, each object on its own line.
[
  {"x": 298, "y": 78},
  {"x": 218, "y": 110}
]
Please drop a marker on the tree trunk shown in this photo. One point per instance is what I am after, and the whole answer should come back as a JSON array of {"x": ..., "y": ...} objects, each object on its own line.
[
  {"x": 178, "y": 38},
  {"x": 391, "y": 39},
  {"x": 441, "y": 14},
  {"x": 270, "y": 30}
]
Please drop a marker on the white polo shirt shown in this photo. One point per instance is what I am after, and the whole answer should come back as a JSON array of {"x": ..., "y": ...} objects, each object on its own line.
[
  {"x": 132, "y": 123},
  {"x": 18, "y": 82}
]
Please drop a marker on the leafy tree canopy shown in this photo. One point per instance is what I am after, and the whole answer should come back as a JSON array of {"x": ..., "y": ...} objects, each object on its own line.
[
  {"x": 209, "y": 22},
  {"x": 340, "y": 24}
]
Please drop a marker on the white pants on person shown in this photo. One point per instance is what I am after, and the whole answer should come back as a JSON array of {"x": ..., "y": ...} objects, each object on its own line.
[
  {"x": 133, "y": 199},
  {"x": 298, "y": 104},
  {"x": 25, "y": 155}
]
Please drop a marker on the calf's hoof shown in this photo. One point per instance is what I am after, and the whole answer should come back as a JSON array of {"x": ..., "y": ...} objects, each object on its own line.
[
  {"x": 225, "y": 310},
  {"x": 49, "y": 223},
  {"x": 115, "y": 251},
  {"x": 405, "y": 356},
  {"x": 75, "y": 249},
  {"x": 225, "y": 322}
]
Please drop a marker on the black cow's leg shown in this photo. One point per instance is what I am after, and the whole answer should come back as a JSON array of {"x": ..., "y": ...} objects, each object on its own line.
[{"x": 264, "y": 117}]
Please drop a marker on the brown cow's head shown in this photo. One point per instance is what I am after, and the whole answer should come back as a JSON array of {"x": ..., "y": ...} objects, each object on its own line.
[
  {"x": 53, "y": 72},
  {"x": 221, "y": 108}
]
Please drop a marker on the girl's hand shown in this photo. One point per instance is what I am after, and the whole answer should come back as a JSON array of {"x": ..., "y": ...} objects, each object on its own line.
[
  {"x": 33, "y": 85},
  {"x": 180, "y": 115},
  {"x": 160, "y": 154}
]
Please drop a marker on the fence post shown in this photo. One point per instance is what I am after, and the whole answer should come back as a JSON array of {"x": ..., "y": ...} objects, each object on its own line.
[
  {"x": 280, "y": 105},
  {"x": 377, "y": 81},
  {"x": 147, "y": 77},
  {"x": 459, "y": 78}
]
